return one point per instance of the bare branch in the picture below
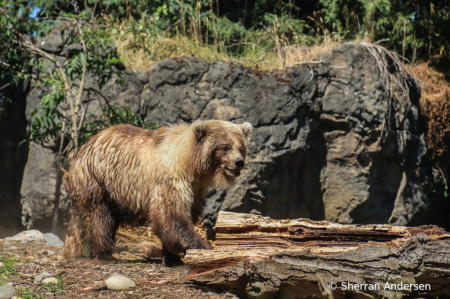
(4, 86)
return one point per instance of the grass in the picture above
(28, 294)
(56, 289)
(141, 45)
(8, 270)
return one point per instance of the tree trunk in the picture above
(257, 257)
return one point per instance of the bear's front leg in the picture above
(177, 234)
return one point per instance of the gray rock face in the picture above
(327, 142)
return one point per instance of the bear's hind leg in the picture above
(102, 227)
(73, 246)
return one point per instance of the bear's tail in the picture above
(66, 175)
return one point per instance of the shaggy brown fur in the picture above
(130, 175)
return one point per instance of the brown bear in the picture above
(127, 175)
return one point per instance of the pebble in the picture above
(50, 252)
(13, 247)
(43, 252)
(119, 282)
(53, 280)
(60, 258)
(24, 242)
(2, 264)
(7, 291)
(53, 240)
(45, 260)
(39, 278)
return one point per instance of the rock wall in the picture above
(327, 144)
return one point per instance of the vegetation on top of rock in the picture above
(257, 33)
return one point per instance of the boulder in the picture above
(329, 142)
(35, 235)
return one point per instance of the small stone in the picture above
(45, 260)
(119, 282)
(106, 272)
(39, 278)
(7, 291)
(24, 241)
(43, 252)
(53, 240)
(60, 258)
(2, 264)
(46, 273)
(53, 280)
(13, 247)
(50, 252)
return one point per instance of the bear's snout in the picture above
(239, 162)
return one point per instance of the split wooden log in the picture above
(258, 257)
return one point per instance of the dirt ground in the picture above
(86, 278)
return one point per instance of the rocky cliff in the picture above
(328, 141)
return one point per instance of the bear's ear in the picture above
(246, 129)
(199, 129)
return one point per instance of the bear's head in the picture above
(224, 148)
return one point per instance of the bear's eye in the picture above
(225, 148)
